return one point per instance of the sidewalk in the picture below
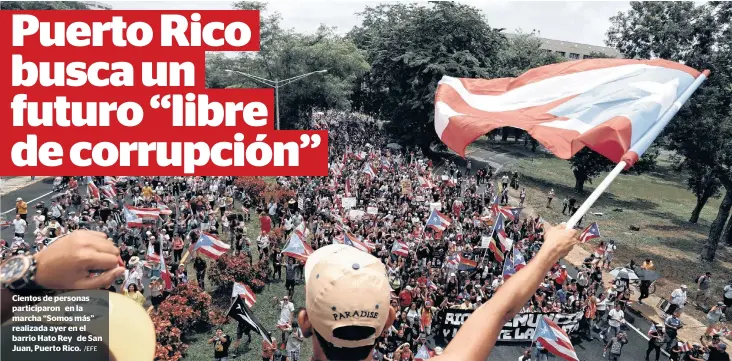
(10, 184)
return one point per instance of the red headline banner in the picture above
(123, 92)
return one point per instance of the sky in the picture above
(576, 21)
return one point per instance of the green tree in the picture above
(588, 164)
(702, 181)
(701, 37)
(286, 53)
(410, 47)
(42, 5)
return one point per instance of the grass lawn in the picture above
(265, 310)
(657, 202)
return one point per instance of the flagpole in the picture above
(647, 138)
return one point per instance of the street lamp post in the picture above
(276, 84)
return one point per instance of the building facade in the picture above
(96, 5)
(573, 51)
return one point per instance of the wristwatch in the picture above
(18, 274)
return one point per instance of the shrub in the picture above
(257, 285)
(168, 346)
(252, 186)
(218, 318)
(278, 193)
(277, 234)
(175, 308)
(228, 269)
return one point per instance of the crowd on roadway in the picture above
(378, 197)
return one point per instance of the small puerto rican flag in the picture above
(91, 188)
(351, 240)
(519, 261)
(297, 248)
(245, 293)
(400, 249)
(438, 221)
(591, 232)
(210, 246)
(369, 170)
(684, 347)
(554, 339)
(508, 268)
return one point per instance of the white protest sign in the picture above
(356, 214)
(349, 202)
(436, 205)
(485, 241)
(372, 210)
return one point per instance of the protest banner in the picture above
(436, 205)
(520, 328)
(372, 210)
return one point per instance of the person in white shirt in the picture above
(497, 282)
(39, 219)
(288, 223)
(615, 318)
(728, 295)
(20, 226)
(287, 314)
(678, 299)
(294, 342)
(609, 253)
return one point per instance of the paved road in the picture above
(586, 350)
(32, 194)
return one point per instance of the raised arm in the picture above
(479, 333)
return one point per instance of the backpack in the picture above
(616, 347)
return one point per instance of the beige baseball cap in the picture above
(346, 287)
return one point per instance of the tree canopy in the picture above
(42, 5)
(701, 37)
(286, 53)
(410, 47)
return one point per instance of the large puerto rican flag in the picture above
(607, 105)
(210, 246)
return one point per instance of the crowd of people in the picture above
(396, 191)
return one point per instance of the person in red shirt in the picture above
(561, 278)
(265, 222)
(405, 297)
